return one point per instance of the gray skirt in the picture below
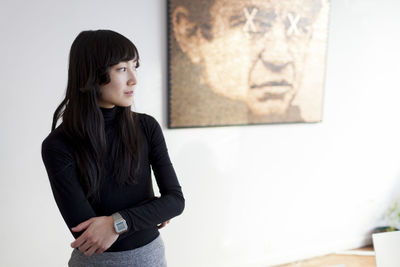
(150, 255)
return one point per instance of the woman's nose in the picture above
(132, 78)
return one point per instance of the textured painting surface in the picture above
(235, 62)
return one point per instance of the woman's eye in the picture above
(123, 69)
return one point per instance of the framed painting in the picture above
(240, 62)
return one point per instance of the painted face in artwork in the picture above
(255, 51)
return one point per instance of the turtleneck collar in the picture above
(109, 114)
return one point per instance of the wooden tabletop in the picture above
(338, 260)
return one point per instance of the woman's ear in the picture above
(187, 34)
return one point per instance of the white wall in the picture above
(255, 195)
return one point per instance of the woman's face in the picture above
(119, 91)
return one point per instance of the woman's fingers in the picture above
(91, 251)
(98, 236)
(85, 246)
(99, 250)
(163, 224)
(82, 225)
(79, 241)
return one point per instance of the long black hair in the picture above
(91, 56)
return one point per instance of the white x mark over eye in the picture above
(249, 25)
(293, 24)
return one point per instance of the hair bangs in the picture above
(111, 48)
(119, 49)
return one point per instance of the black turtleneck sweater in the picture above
(136, 203)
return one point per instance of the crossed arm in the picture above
(97, 232)
(98, 236)
(93, 233)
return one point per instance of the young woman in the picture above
(98, 159)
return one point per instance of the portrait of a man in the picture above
(237, 62)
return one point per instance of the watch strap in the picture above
(117, 216)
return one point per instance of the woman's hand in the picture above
(98, 236)
(163, 224)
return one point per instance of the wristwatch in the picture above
(120, 225)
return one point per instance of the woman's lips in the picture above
(129, 93)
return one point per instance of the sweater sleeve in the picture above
(67, 190)
(171, 203)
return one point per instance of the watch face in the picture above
(120, 226)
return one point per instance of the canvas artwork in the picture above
(240, 62)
